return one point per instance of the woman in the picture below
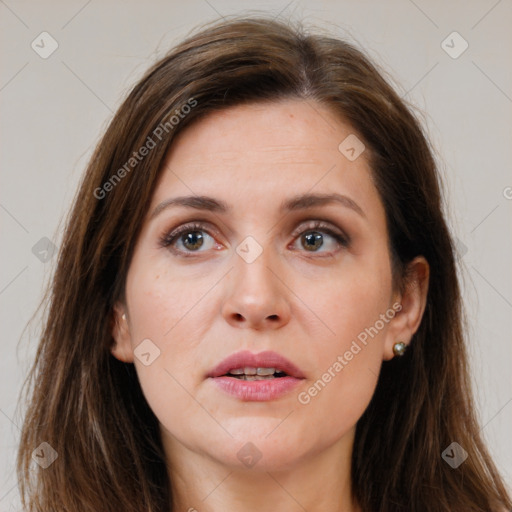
(256, 303)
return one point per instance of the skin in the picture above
(308, 305)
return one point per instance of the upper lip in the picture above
(246, 359)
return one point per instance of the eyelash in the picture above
(317, 225)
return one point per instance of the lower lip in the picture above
(256, 390)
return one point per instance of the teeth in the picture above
(256, 377)
(253, 371)
(265, 371)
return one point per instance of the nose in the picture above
(256, 297)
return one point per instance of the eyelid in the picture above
(195, 225)
(169, 238)
(320, 225)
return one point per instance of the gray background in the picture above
(55, 109)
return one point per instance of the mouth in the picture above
(266, 365)
(256, 377)
(249, 373)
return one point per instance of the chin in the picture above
(260, 449)
(259, 459)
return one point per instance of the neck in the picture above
(317, 482)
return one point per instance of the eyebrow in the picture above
(299, 202)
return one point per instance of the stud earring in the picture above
(123, 316)
(399, 348)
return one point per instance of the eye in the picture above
(190, 238)
(313, 238)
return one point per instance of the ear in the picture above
(122, 348)
(413, 301)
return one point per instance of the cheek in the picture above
(348, 358)
(354, 299)
(348, 369)
(166, 309)
(160, 300)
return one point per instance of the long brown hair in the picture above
(89, 407)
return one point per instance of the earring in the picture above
(399, 348)
(123, 316)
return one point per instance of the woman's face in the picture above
(256, 274)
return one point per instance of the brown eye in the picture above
(192, 240)
(188, 239)
(312, 241)
(320, 235)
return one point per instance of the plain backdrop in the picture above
(54, 110)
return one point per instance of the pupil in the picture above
(313, 240)
(194, 238)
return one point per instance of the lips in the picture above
(262, 377)
(246, 359)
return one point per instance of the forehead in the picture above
(284, 130)
(265, 151)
